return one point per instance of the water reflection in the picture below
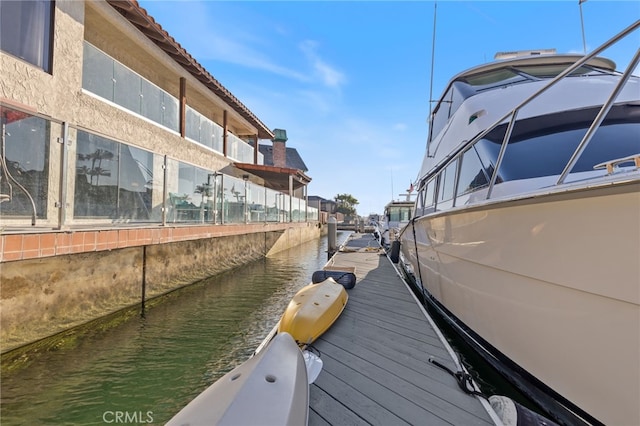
(148, 368)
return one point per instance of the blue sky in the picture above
(350, 80)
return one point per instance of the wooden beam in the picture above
(224, 132)
(255, 149)
(183, 106)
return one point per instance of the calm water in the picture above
(145, 370)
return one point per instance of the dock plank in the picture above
(339, 396)
(376, 355)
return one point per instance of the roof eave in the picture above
(138, 17)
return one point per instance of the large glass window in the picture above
(96, 187)
(135, 184)
(24, 164)
(191, 193)
(113, 181)
(26, 30)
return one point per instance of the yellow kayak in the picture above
(312, 311)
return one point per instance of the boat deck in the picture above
(376, 355)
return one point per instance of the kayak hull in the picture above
(313, 309)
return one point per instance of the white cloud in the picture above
(330, 76)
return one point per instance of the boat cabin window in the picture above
(447, 186)
(399, 213)
(472, 173)
(542, 146)
(425, 201)
(447, 106)
(429, 195)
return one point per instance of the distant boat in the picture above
(526, 233)
(312, 310)
(397, 213)
(270, 388)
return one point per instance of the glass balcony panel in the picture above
(217, 138)
(206, 132)
(170, 108)
(257, 204)
(193, 124)
(97, 72)
(271, 202)
(234, 200)
(127, 89)
(151, 102)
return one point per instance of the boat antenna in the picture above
(433, 49)
(584, 42)
(392, 183)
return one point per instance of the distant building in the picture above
(279, 155)
(327, 208)
(282, 168)
(325, 205)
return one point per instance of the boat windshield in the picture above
(511, 75)
(542, 146)
(552, 70)
(469, 85)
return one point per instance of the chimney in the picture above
(280, 148)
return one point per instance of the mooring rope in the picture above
(464, 379)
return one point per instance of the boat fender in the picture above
(513, 414)
(313, 363)
(394, 255)
(347, 279)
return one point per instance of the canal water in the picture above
(144, 370)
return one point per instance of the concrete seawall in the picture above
(45, 296)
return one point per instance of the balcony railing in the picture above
(115, 183)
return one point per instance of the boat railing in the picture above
(512, 115)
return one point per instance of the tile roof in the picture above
(294, 161)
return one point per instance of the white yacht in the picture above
(526, 232)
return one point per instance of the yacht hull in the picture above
(549, 284)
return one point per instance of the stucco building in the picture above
(118, 150)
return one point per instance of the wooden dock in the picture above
(376, 355)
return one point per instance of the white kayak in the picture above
(270, 388)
